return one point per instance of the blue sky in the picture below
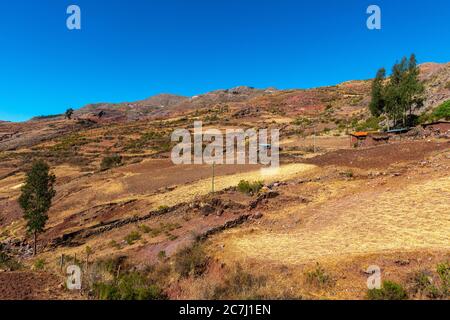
(130, 50)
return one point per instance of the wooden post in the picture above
(213, 176)
(314, 139)
(35, 243)
(62, 262)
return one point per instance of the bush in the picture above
(110, 162)
(144, 228)
(448, 85)
(249, 187)
(301, 121)
(442, 112)
(8, 263)
(132, 237)
(319, 277)
(70, 142)
(111, 265)
(443, 271)
(39, 264)
(239, 285)
(162, 255)
(389, 291)
(191, 261)
(131, 286)
(372, 123)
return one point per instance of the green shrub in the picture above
(111, 265)
(70, 142)
(389, 291)
(425, 118)
(319, 277)
(7, 262)
(442, 112)
(163, 208)
(162, 254)
(132, 237)
(39, 264)
(301, 121)
(443, 270)
(249, 187)
(144, 228)
(109, 162)
(370, 124)
(131, 286)
(191, 261)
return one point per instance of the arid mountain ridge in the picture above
(327, 106)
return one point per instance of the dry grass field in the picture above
(414, 217)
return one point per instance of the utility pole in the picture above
(314, 139)
(213, 176)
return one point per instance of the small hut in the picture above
(367, 139)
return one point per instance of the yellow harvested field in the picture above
(413, 218)
(187, 193)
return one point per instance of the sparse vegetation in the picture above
(443, 270)
(389, 291)
(7, 262)
(144, 228)
(161, 255)
(440, 113)
(114, 244)
(240, 284)
(132, 237)
(191, 261)
(110, 162)
(319, 277)
(247, 187)
(302, 121)
(163, 228)
(130, 286)
(447, 86)
(39, 264)
(69, 143)
(371, 124)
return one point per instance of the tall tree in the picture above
(377, 103)
(404, 91)
(69, 113)
(414, 88)
(36, 198)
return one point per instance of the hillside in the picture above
(310, 232)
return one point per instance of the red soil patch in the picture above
(380, 156)
(29, 286)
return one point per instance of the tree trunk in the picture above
(35, 243)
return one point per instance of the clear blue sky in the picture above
(129, 50)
